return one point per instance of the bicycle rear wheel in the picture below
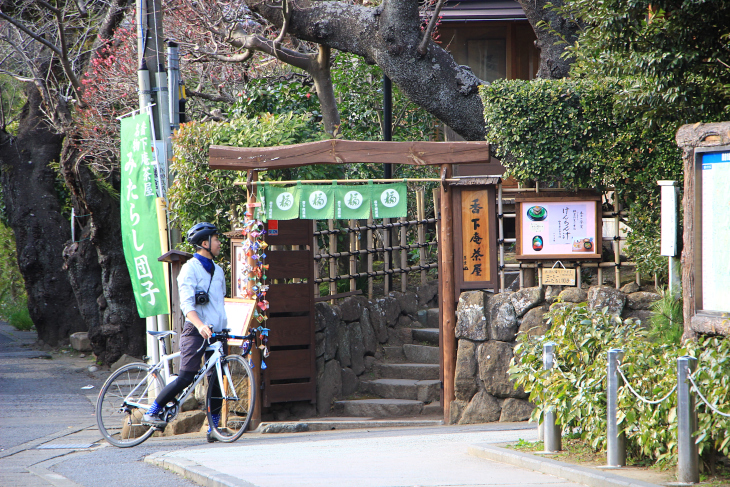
(123, 400)
(238, 395)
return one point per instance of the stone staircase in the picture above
(405, 380)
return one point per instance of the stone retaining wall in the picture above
(486, 329)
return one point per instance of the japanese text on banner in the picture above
(140, 233)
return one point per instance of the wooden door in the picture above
(291, 372)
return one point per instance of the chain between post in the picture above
(704, 399)
(638, 396)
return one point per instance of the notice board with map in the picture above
(712, 231)
(567, 228)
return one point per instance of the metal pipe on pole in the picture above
(551, 430)
(616, 454)
(688, 471)
(388, 168)
(173, 84)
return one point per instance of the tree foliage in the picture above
(673, 55)
(204, 194)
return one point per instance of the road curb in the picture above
(194, 471)
(573, 473)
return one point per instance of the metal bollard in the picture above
(551, 431)
(688, 461)
(616, 455)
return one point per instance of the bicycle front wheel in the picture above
(234, 400)
(123, 400)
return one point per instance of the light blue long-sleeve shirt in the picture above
(193, 278)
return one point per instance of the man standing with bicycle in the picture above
(202, 289)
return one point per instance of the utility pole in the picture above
(153, 90)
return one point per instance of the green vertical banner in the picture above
(282, 203)
(352, 202)
(317, 202)
(389, 200)
(140, 232)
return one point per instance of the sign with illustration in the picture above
(558, 228)
(138, 201)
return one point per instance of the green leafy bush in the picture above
(577, 388)
(573, 132)
(203, 194)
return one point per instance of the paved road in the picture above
(435, 456)
(48, 432)
(48, 437)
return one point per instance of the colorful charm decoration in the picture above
(254, 270)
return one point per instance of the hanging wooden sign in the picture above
(558, 277)
(475, 245)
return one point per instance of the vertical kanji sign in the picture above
(140, 234)
(475, 235)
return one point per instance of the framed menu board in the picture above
(565, 228)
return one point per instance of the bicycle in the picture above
(128, 393)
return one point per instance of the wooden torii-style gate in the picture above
(337, 151)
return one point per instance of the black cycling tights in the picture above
(184, 379)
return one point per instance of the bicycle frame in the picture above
(164, 366)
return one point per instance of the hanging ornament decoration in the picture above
(254, 270)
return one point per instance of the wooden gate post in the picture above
(448, 306)
(255, 353)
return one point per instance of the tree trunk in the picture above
(320, 72)
(551, 41)
(389, 36)
(99, 274)
(34, 213)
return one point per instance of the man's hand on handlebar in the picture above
(206, 331)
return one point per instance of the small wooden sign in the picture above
(558, 277)
(475, 238)
(475, 235)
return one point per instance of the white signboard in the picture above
(669, 246)
(564, 228)
(715, 175)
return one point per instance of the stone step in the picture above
(393, 354)
(421, 354)
(433, 409)
(427, 335)
(379, 408)
(432, 318)
(328, 424)
(418, 390)
(408, 371)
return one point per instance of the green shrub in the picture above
(667, 318)
(577, 389)
(19, 317)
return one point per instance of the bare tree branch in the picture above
(32, 34)
(223, 97)
(285, 25)
(423, 47)
(63, 54)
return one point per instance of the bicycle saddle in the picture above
(161, 334)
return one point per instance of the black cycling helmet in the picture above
(200, 232)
